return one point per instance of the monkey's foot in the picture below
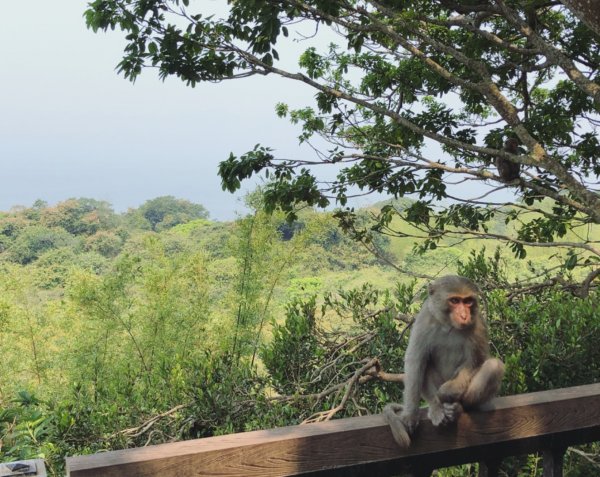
(437, 415)
(451, 411)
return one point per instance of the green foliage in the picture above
(327, 244)
(106, 243)
(215, 396)
(191, 227)
(549, 339)
(546, 337)
(27, 430)
(126, 336)
(33, 241)
(166, 212)
(255, 246)
(148, 315)
(264, 260)
(488, 272)
(53, 268)
(291, 353)
(315, 351)
(302, 288)
(78, 216)
(10, 227)
(420, 96)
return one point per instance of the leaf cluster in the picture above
(416, 102)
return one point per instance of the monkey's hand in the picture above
(442, 414)
(451, 411)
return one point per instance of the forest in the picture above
(158, 324)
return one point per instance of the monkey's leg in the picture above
(450, 394)
(485, 383)
(453, 389)
(436, 413)
(415, 371)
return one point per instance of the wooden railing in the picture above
(546, 422)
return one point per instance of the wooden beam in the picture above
(363, 446)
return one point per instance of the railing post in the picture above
(553, 462)
(489, 468)
(421, 472)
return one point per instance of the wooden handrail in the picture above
(547, 421)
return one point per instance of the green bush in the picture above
(35, 240)
(293, 350)
(108, 244)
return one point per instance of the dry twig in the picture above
(141, 429)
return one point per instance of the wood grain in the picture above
(364, 446)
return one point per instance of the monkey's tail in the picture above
(390, 412)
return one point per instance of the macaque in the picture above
(507, 170)
(447, 361)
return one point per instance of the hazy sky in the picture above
(70, 126)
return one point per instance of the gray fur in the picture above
(447, 365)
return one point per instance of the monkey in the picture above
(447, 360)
(508, 170)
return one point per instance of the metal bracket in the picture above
(23, 468)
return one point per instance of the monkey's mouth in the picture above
(463, 324)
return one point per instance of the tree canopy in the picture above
(416, 100)
(167, 211)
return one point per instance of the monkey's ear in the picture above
(431, 288)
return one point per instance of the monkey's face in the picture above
(461, 309)
(453, 300)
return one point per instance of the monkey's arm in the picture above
(414, 371)
(415, 367)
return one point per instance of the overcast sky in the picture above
(70, 126)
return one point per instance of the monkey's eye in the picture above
(469, 300)
(454, 300)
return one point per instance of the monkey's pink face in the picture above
(461, 310)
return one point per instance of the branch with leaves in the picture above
(412, 100)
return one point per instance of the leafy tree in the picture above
(10, 227)
(263, 259)
(419, 95)
(167, 211)
(34, 212)
(106, 243)
(33, 241)
(78, 216)
(53, 268)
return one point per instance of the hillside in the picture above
(108, 320)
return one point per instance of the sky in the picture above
(70, 126)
